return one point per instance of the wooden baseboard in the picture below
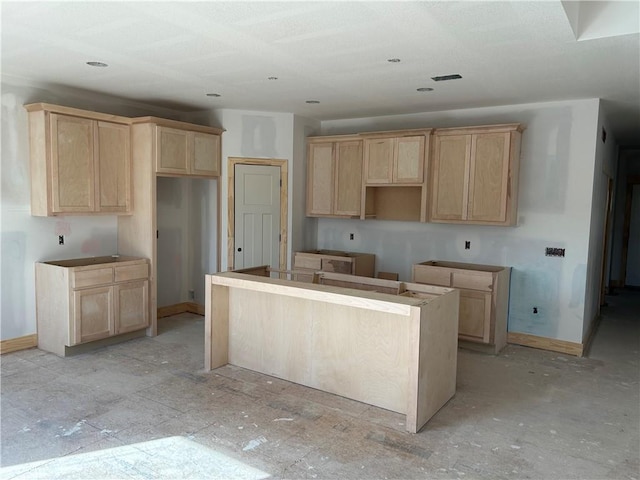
(184, 307)
(20, 343)
(544, 343)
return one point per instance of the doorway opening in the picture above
(254, 187)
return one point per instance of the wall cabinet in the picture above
(83, 300)
(475, 175)
(187, 152)
(352, 263)
(394, 160)
(334, 176)
(80, 161)
(484, 299)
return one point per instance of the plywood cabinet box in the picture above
(474, 175)
(484, 299)
(334, 176)
(352, 263)
(184, 148)
(87, 299)
(80, 161)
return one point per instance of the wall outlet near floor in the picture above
(467, 244)
(60, 239)
(535, 310)
(351, 236)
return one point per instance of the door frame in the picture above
(231, 205)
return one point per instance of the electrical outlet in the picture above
(535, 310)
(351, 236)
(60, 239)
(554, 252)
(467, 245)
(192, 295)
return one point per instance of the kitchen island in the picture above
(397, 352)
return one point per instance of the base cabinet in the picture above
(351, 263)
(484, 299)
(83, 300)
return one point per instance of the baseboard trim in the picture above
(20, 343)
(184, 307)
(544, 343)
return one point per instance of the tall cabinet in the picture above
(163, 147)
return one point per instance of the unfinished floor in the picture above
(525, 413)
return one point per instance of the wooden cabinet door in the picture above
(320, 175)
(205, 154)
(72, 164)
(408, 164)
(172, 151)
(113, 147)
(348, 178)
(131, 306)
(489, 177)
(378, 155)
(474, 322)
(93, 314)
(450, 177)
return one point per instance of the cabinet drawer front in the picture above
(132, 272)
(88, 278)
(472, 280)
(432, 275)
(304, 261)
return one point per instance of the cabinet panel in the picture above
(131, 306)
(337, 265)
(379, 160)
(475, 316)
(205, 154)
(348, 178)
(114, 167)
(320, 179)
(93, 314)
(432, 275)
(450, 177)
(409, 161)
(489, 176)
(313, 262)
(131, 272)
(72, 164)
(172, 151)
(472, 280)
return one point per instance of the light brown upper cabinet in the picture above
(80, 161)
(334, 176)
(185, 151)
(474, 176)
(394, 160)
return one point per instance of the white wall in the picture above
(26, 239)
(604, 169)
(556, 183)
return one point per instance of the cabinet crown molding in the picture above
(501, 128)
(76, 112)
(165, 122)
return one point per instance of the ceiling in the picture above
(171, 54)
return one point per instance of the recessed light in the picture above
(394, 60)
(424, 89)
(212, 94)
(442, 78)
(97, 64)
(272, 78)
(313, 101)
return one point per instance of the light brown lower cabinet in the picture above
(83, 300)
(307, 262)
(484, 300)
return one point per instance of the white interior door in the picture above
(257, 216)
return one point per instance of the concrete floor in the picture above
(525, 413)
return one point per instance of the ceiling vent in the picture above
(442, 78)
